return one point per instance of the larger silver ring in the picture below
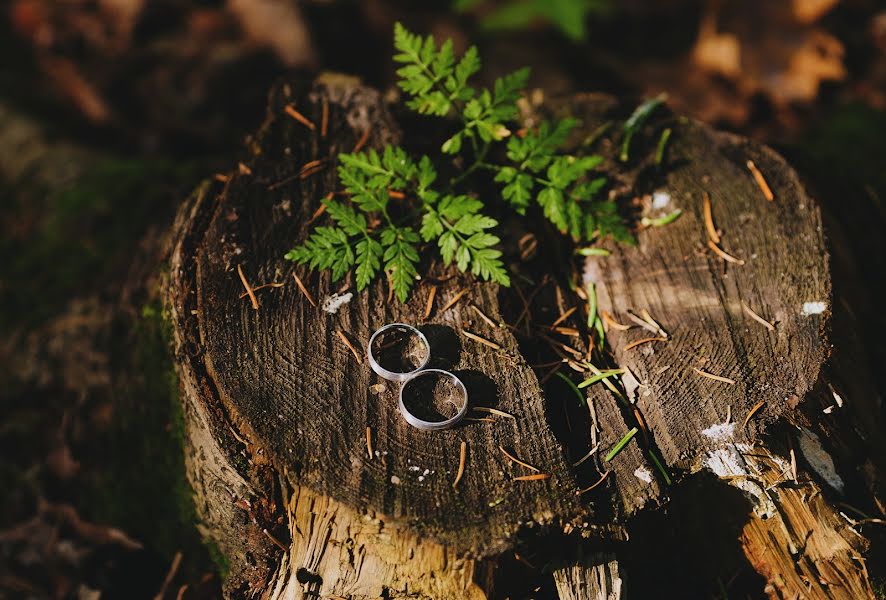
(434, 425)
(397, 375)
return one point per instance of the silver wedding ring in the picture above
(432, 393)
(397, 351)
(430, 399)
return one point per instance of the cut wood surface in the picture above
(315, 484)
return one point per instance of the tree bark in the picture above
(311, 483)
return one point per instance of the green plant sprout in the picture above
(370, 233)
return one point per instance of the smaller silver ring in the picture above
(395, 375)
(434, 425)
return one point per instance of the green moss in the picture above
(144, 489)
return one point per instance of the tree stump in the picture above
(312, 485)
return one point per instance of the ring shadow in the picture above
(445, 346)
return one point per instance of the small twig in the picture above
(324, 117)
(752, 412)
(494, 411)
(757, 317)
(564, 316)
(303, 289)
(430, 304)
(644, 341)
(714, 377)
(364, 137)
(453, 301)
(709, 220)
(347, 342)
(462, 456)
(761, 181)
(246, 285)
(517, 460)
(484, 341)
(535, 477)
(722, 254)
(290, 110)
(599, 481)
(369, 442)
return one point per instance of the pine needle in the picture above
(621, 444)
(303, 289)
(430, 304)
(752, 412)
(494, 411)
(761, 181)
(757, 317)
(599, 481)
(535, 477)
(248, 287)
(714, 377)
(590, 453)
(481, 340)
(644, 341)
(290, 110)
(517, 460)
(564, 316)
(369, 442)
(660, 467)
(722, 254)
(324, 118)
(347, 342)
(483, 316)
(462, 456)
(453, 301)
(611, 322)
(363, 139)
(709, 220)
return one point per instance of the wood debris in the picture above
(290, 110)
(761, 181)
(513, 458)
(273, 284)
(246, 285)
(347, 342)
(369, 442)
(714, 377)
(481, 340)
(462, 456)
(303, 289)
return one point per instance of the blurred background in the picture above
(111, 111)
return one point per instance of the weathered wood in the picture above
(279, 407)
(595, 577)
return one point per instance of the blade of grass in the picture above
(592, 304)
(636, 121)
(661, 221)
(660, 467)
(581, 397)
(662, 143)
(599, 377)
(621, 444)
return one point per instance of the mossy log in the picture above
(312, 485)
